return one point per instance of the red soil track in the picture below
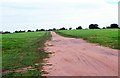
(76, 57)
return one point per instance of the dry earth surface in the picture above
(76, 57)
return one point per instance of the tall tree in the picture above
(93, 26)
(79, 27)
(70, 28)
(63, 28)
(114, 26)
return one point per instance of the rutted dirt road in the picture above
(76, 57)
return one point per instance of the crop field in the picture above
(21, 50)
(104, 37)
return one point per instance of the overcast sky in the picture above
(37, 14)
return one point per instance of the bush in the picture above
(6, 32)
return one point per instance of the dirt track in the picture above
(76, 57)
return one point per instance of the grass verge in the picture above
(104, 37)
(21, 50)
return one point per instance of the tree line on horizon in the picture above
(91, 26)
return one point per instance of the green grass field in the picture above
(104, 37)
(22, 50)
